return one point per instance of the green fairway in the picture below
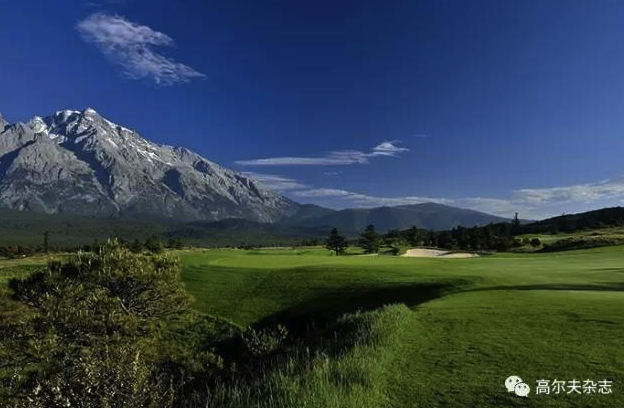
(473, 322)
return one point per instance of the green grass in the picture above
(329, 376)
(472, 322)
(10, 310)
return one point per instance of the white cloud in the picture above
(497, 206)
(582, 192)
(274, 181)
(388, 148)
(353, 199)
(130, 46)
(333, 158)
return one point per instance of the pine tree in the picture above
(154, 244)
(370, 240)
(516, 228)
(136, 246)
(336, 242)
(46, 242)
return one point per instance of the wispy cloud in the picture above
(333, 158)
(130, 46)
(607, 189)
(353, 199)
(275, 182)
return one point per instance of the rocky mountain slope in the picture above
(78, 162)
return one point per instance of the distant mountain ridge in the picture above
(430, 216)
(595, 219)
(78, 162)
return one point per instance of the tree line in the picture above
(152, 244)
(492, 237)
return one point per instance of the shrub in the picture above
(399, 248)
(98, 334)
(263, 342)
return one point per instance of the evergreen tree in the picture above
(154, 244)
(516, 228)
(336, 242)
(446, 240)
(46, 242)
(413, 236)
(370, 240)
(175, 243)
(136, 246)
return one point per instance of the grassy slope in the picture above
(473, 321)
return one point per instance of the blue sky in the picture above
(499, 105)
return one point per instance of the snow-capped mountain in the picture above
(78, 162)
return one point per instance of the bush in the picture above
(399, 248)
(99, 334)
(535, 243)
(263, 342)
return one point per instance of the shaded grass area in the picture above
(348, 370)
(10, 310)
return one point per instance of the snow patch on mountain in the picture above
(80, 162)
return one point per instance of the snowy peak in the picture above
(38, 125)
(80, 162)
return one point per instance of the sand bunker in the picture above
(436, 253)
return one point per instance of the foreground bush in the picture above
(104, 331)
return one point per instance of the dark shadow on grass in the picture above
(605, 287)
(319, 312)
(617, 270)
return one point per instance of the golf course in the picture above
(441, 332)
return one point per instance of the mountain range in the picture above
(80, 163)
(77, 162)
